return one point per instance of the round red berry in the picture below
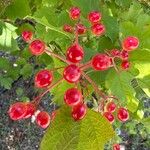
(130, 43)
(116, 147)
(72, 97)
(98, 29)
(75, 53)
(79, 111)
(124, 55)
(101, 62)
(115, 53)
(37, 47)
(68, 28)
(81, 29)
(17, 111)
(123, 114)
(43, 119)
(27, 35)
(125, 65)
(94, 17)
(111, 106)
(109, 116)
(74, 13)
(43, 78)
(72, 73)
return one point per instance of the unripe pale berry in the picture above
(130, 43)
(79, 111)
(94, 17)
(124, 55)
(72, 97)
(109, 116)
(116, 147)
(27, 35)
(125, 65)
(43, 78)
(72, 73)
(101, 62)
(43, 119)
(37, 47)
(68, 28)
(111, 106)
(123, 114)
(98, 29)
(74, 13)
(75, 53)
(81, 29)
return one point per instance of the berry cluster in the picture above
(73, 71)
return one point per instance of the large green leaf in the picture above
(65, 134)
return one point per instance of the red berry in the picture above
(81, 29)
(30, 110)
(94, 17)
(124, 55)
(109, 116)
(125, 65)
(74, 13)
(130, 43)
(43, 119)
(79, 111)
(101, 62)
(72, 73)
(37, 47)
(98, 29)
(123, 114)
(43, 78)
(72, 97)
(115, 53)
(17, 111)
(67, 28)
(111, 107)
(27, 35)
(75, 53)
(116, 147)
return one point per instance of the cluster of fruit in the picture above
(73, 71)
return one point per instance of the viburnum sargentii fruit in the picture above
(75, 72)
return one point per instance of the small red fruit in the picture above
(130, 43)
(72, 73)
(74, 13)
(72, 97)
(124, 55)
(75, 53)
(37, 47)
(115, 53)
(43, 119)
(81, 29)
(43, 78)
(111, 106)
(17, 111)
(68, 28)
(27, 35)
(101, 62)
(123, 114)
(94, 17)
(116, 147)
(109, 116)
(79, 111)
(98, 29)
(125, 65)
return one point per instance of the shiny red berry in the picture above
(72, 73)
(43, 78)
(43, 119)
(98, 29)
(101, 62)
(68, 28)
(81, 29)
(79, 111)
(17, 111)
(115, 53)
(94, 17)
(109, 116)
(130, 43)
(125, 65)
(72, 97)
(116, 147)
(27, 35)
(74, 13)
(123, 114)
(75, 53)
(37, 47)
(111, 106)
(124, 55)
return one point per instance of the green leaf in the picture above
(66, 134)
(123, 3)
(26, 71)
(6, 82)
(132, 104)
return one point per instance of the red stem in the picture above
(85, 66)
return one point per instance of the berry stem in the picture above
(114, 65)
(85, 66)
